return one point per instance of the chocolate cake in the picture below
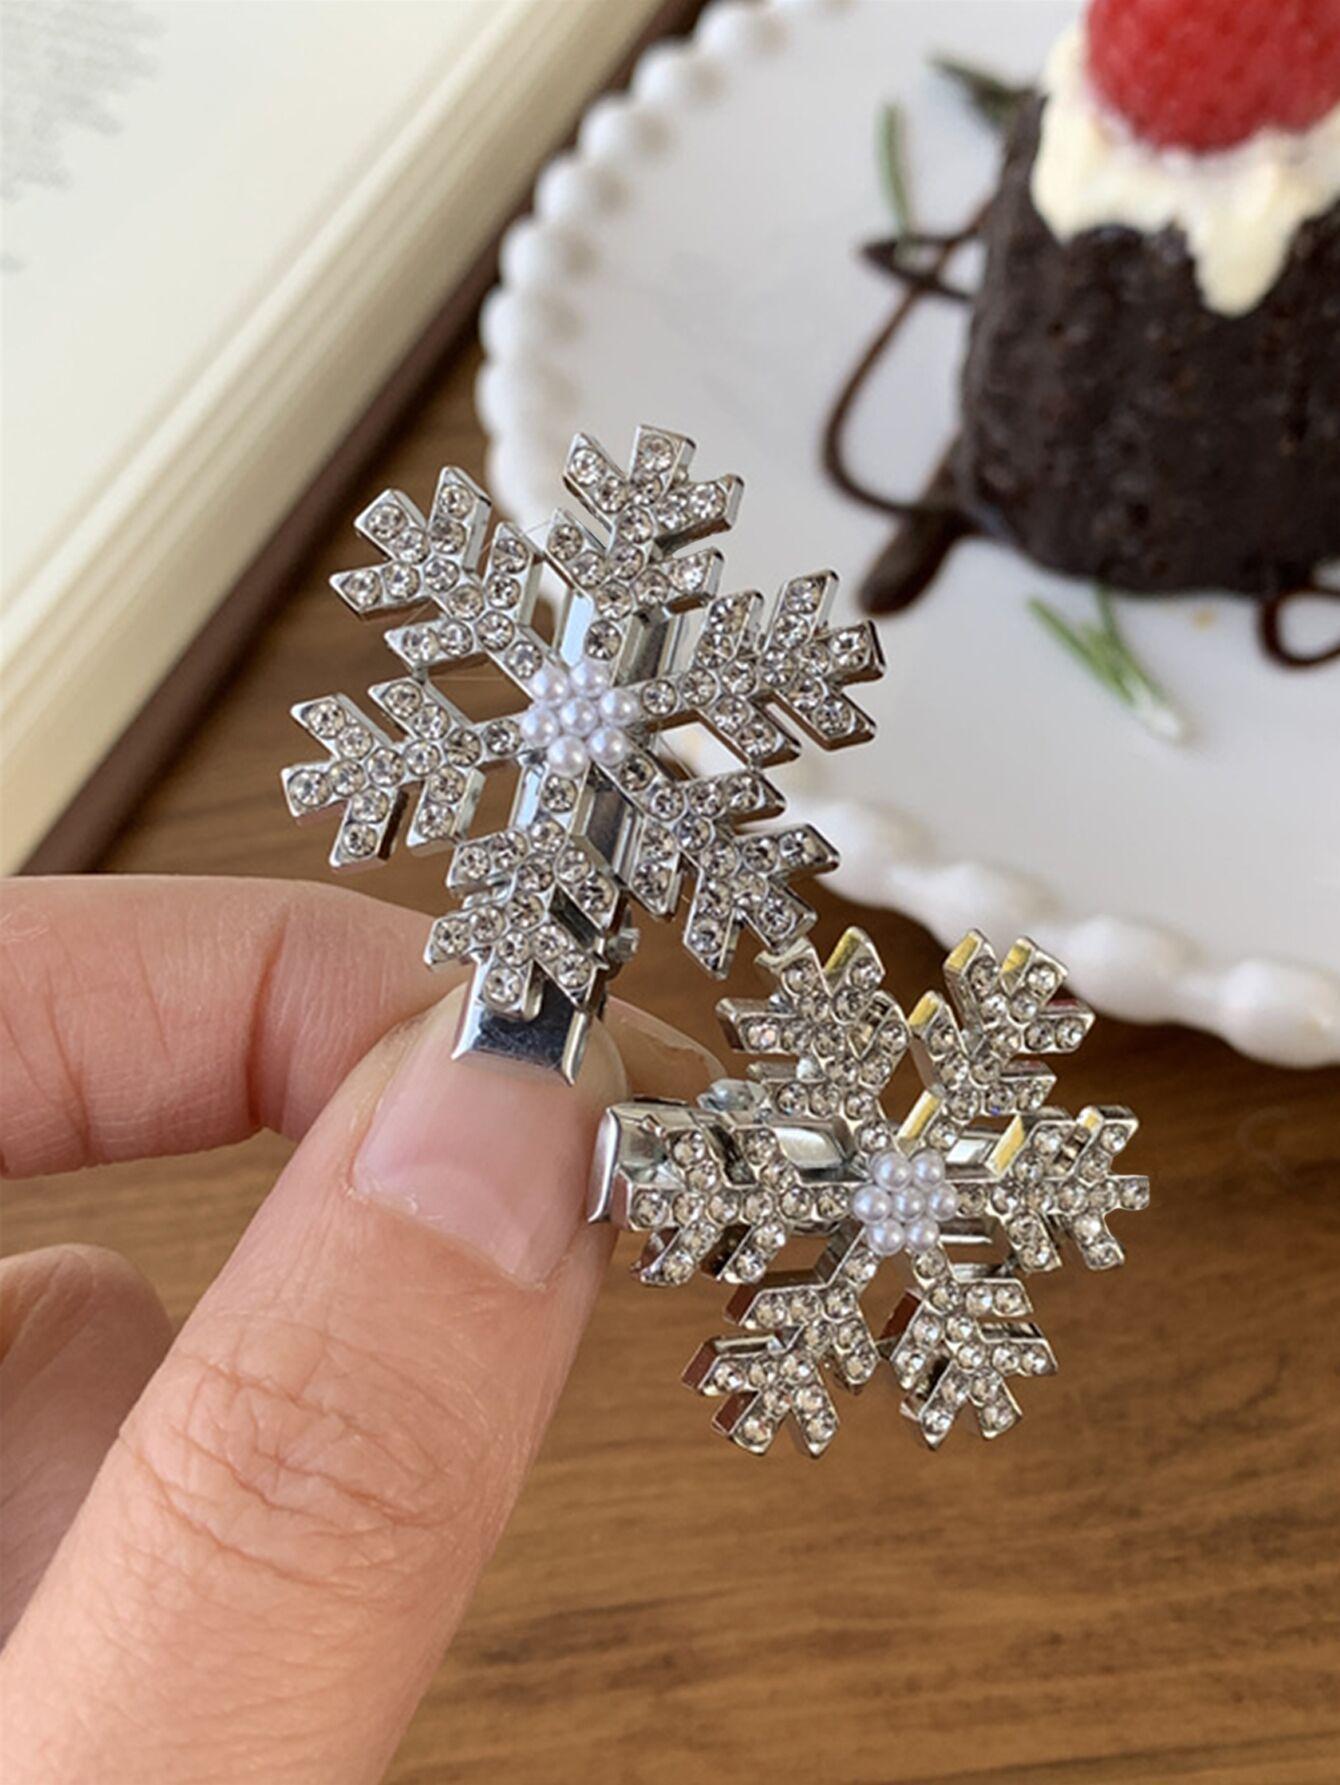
(1150, 397)
(1117, 426)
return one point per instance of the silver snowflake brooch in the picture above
(603, 813)
(980, 1184)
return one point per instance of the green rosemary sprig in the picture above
(993, 99)
(1108, 658)
(891, 143)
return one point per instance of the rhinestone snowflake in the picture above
(979, 1185)
(603, 812)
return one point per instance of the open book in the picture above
(226, 222)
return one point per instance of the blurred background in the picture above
(246, 248)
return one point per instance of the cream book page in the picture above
(225, 221)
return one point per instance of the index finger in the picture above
(154, 1015)
(143, 1016)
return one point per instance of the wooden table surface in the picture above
(1141, 1582)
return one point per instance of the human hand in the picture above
(241, 1554)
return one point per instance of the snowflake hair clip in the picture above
(980, 1184)
(603, 815)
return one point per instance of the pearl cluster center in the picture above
(577, 717)
(905, 1202)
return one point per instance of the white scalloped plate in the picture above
(694, 264)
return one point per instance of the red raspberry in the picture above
(1205, 74)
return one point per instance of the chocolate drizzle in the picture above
(931, 527)
(932, 523)
(1270, 627)
(891, 257)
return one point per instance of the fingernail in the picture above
(659, 1059)
(492, 1157)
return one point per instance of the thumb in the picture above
(280, 1544)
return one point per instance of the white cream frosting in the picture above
(1238, 208)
